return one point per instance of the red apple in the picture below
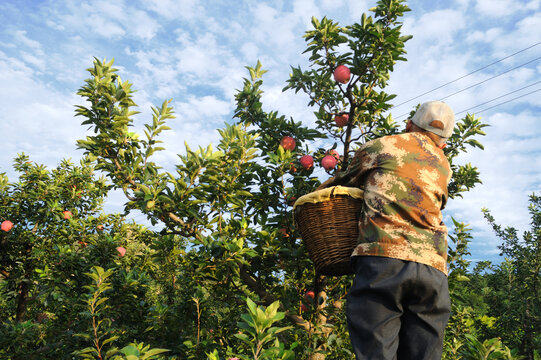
(342, 74)
(328, 162)
(307, 162)
(292, 200)
(334, 153)
(304, 308)
(121, 251)
(310, 294)
(6, 225)
(341, 120)
(67, 214)
(288, 143)
(99, 227)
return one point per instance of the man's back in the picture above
(405, 180)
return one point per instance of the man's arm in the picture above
(350, 177)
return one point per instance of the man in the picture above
(398, 305)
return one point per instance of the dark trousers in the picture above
(397, 309)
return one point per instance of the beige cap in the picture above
(436, 117)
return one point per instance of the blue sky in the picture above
(195, 53)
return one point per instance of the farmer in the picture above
(398, 305)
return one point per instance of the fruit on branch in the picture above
(329, 162)
(292, 168)
(67, 214)
(307, 162)
(341, 120)
(334, 153)
(6, 225)
(288, 143)
(342, 74)
(121, 251)
(310, 294)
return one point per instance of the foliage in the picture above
(228, 237)
(518, 300)
(101, 325)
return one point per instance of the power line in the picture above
(499, 97)
(471, 73)
(505, 102)
(481, 82)
(490, 78)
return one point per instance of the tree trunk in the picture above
(22, 299)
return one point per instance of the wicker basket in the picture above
(328, 223)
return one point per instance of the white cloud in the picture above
(207, 110)
(21, 38)
(332, 4)
(171, 9)
(100, 25)
(356, 8)
(487, 36)
(506, 170)
(36, 117)
(36, 61)
(54, 25)
(495, 8)
(141, 25)
(533, 5)
(275, 29)
(437, 27)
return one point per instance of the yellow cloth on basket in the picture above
(325, 194)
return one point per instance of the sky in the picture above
(483, 56)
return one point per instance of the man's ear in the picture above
(408, 125)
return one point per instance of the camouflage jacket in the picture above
(404, 178)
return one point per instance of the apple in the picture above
(121, 251)
(6, 225)
(304, 308)
(288, 143)
(67, 214)
(328, 162)
(342, 74)
(292, 200)
(310, 294)
(292, 168)
(99, 227)
(307, 162)
(334, 153)
(341, 120)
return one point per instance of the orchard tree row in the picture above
(228, 275)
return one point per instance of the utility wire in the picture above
(499, 97)
(490, 78)
(481, 82)
(471, 73)
(505, 102)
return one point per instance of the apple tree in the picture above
(226, 211)
(57, 233)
